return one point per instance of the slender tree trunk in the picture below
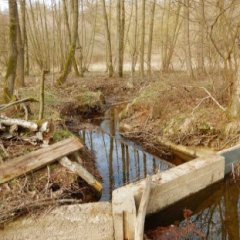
(149, 56)
(69, 35)
(142, 48)
(200, 47)
(188, 56)
(108, 40)
(9, 80)
(20, 46)
(134, 54)
(72, 49)
(120, 36)
(122, 33)
(24, 36)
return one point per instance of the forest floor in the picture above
(172, 106)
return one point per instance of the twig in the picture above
(198, 105)
(217, 103)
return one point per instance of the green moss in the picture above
(61, 134)
(89, 98)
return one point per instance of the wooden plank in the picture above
(82, 172)
(38, 159)
(139, 227)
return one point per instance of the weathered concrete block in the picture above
(170, 186)
(74, 222)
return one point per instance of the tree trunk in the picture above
(120, 35)
(108, 40)
(188, 57)
(69, 35)
(9, 80)
(20, 46)
(134, 53)
(234, 107)
(149, 57)
(200, 45)
(142, 49)
(72, 49)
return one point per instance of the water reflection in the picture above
(119, 161)
(216, 212)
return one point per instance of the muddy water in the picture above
(118, 160)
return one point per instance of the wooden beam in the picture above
(82, 172)
(37, 159)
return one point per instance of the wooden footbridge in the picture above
(124, 217)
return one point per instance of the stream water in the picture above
(215, 213)
(118, 160)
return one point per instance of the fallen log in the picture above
(139, 227)
(37, 159)
(82, 172)
(5, 106)
(19, 122)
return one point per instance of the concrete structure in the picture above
(105, 221)
(70, 222)
(167, 188)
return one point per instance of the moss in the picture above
(61, 134)
(90, 98)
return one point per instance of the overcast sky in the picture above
(4, 3)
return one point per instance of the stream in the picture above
(215, 210)
(119, 161)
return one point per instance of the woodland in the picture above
(168, 71)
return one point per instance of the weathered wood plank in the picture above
(139, 227)
(82, 172)
(38, 159)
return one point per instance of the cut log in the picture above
(139, 227)
(82, 172)
(19, 122)
(37, 159)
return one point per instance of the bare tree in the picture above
(9, 80)
(108, 40)
(72, 49)
(150, 41)
(20, 46)
(142, 48)
(120, 35)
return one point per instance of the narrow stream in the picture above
(118, 160)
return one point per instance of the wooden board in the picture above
(37, 159)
